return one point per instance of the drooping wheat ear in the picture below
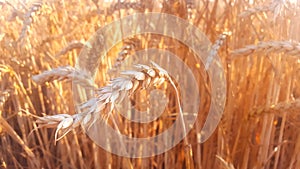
(72, 45)
(290, 48)
(65, 73)
(214, 49)
(128, 49)
(28, 18)
(291, 107)
(254, 10)
(275, 7)
(138, 6)
(106, 97)
(126, 5)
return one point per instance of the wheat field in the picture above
(258, 43)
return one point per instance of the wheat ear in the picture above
(28, 18)
(126, 5)
(278, 109)
(107, 96)
(291, 48)
(65, 73)
(72, 45)
(127, 50)
(275, 7)
(214, 49)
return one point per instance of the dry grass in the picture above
(260, 124)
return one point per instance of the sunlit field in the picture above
(258, 43)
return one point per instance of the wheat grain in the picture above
(107, 96)
(287, 47)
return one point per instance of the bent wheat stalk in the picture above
(107, 96)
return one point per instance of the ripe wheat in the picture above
(63, 73)
(72, 45)
(106, 97)
(275, 7)
(291, 48)
(28, 18)
(214, 49)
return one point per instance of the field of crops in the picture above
(41, 43)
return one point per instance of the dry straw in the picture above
(225, 163)
(7, 128)
(106, 97)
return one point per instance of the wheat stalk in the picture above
(107, 96)
(225, 163)
(10, 130)
(291, 48)
(138, 6)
